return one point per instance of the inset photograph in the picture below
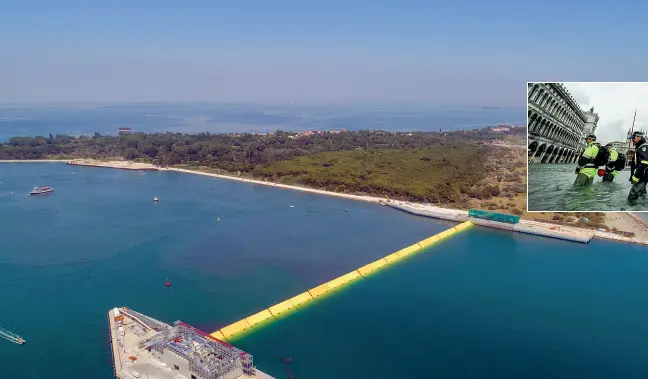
(587, 146)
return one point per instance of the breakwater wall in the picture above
(522, 227)
(294, 303)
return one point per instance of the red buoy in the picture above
(168, 283)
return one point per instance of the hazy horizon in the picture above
(228, 117)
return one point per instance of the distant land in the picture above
(484, 167)
(86, 119)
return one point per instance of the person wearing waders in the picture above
(586, 169)
(610, 167)
(639, 177)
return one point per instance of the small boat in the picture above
(155, 199)
(292, 206)
(10, 336)
(168, 283)
(41, 190)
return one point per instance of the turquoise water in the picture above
(482, 305)
(551, 188)
(488, 304)
(99, 241)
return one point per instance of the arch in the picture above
(533, 146)
(548, 153)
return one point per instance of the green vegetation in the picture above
(421, 175)
(422, 166)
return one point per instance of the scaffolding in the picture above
(206, 356)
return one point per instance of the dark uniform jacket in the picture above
(641, 162)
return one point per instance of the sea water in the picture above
(481, 304)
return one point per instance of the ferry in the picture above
(41, 190)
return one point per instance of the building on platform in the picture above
(557, 125)
(195, 354)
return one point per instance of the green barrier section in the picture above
(494, 216)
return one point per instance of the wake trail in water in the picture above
(9, 336)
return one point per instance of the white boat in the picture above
(41, 190)
(155, 199)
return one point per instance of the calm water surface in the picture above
(485, 304)
(99, 241)
(551, 188)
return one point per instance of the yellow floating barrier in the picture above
(218, 335)
(373, 266)
(319, 290)
(429, 241)
(393, 257)
(337, 282)
(408, 250)
(463, 225)
(274, 311)
(300, 299)
(259, 317)
(235, 328)
(280, 308)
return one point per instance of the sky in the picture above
(615, 104)
(315, 51)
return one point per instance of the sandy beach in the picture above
(620, 220)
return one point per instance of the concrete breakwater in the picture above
(527, 227)
(296, 302)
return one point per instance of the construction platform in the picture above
(143, 347)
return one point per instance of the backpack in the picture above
(620, 162)
(601, 157)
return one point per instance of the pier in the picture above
(523, 226)
(263, 317)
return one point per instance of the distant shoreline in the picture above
(32, 160)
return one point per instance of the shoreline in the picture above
(33, 160)
(447, 212)
(450, 213)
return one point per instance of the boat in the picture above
(155, 199)
(41, 190)
(10, 336)
(168, 283)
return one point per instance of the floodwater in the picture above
(551, 188)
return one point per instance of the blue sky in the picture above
(329, 51)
